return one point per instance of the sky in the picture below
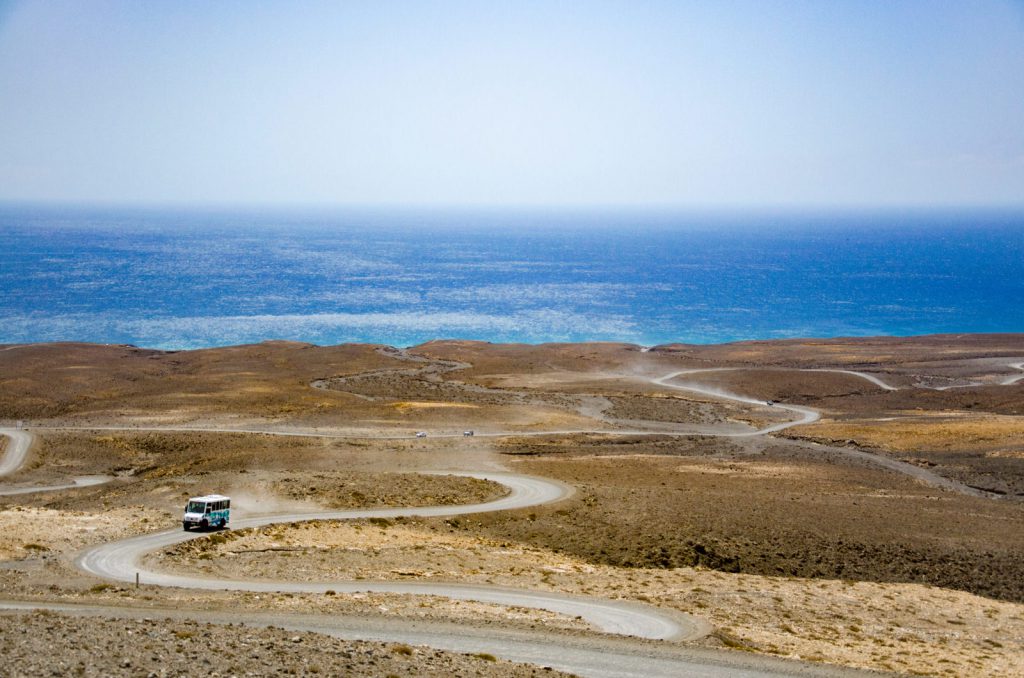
(728, 104)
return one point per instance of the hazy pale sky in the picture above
(691, 104)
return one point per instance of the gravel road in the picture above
(1010, 381)
(19, 442)
(164, 646)
(592, 657)
(17, 449)
(121, 561)
(807, 415)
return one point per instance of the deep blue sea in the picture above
(184, 279)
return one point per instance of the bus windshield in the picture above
(195, 507)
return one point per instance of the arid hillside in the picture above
(728, 482)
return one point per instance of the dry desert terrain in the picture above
(799, 507)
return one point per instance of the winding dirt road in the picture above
(807, 415)
(19, 443)
(599, 658)
(122, 561)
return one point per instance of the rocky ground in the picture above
(893, 627)
(50, 644)
(788, 548)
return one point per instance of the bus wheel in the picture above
(204, 524)
(185, 526)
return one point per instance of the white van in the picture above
(213, 510)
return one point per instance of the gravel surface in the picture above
(154, 647)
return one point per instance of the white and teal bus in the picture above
(213, 510)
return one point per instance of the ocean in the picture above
(179, 279)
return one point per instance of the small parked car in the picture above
(467, 433)
(421, 434)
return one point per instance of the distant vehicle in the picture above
(213, 510)
(421, 434)
(771, 403)
(467, 433)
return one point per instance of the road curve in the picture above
(121, 560)
(877, 381)
(807, 415)
(19, 442)
(76, 483)
(1010, 381)
(863, 375)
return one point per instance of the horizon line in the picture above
(664, 208)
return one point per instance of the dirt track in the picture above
(568, 388)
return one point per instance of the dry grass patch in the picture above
(406, 405)
(956, 432)
(980, 450)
